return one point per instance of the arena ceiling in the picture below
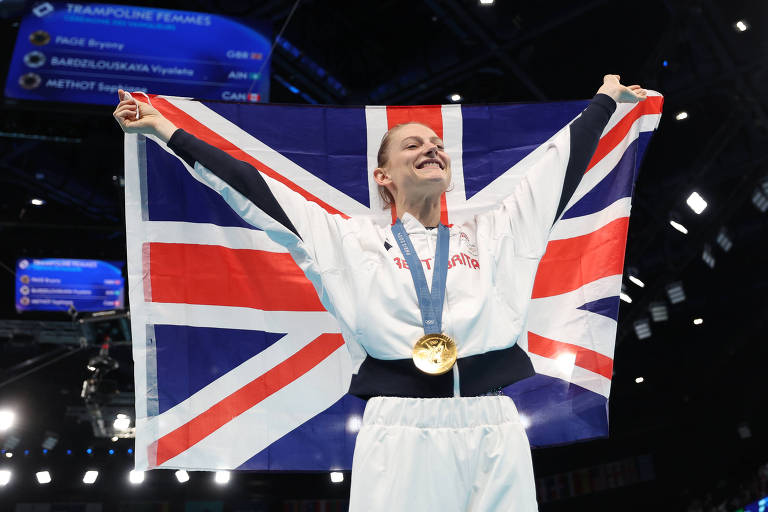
(702, 383)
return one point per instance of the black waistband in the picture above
(478, 375)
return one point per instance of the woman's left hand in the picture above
(621, 93)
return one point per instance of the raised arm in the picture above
(551, 180)
(286, 216)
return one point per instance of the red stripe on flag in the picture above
(610, 140)
(429, 115)
(573, 262)
(183, 120)
(197, 429)
(219, 276)
(585, 358)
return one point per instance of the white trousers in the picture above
(443, 455)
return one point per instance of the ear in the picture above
(381, 177)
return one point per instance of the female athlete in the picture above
(430, 313)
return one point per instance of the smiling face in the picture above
(413, 162)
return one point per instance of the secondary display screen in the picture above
(53, 284)
(84, 53)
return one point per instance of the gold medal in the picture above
(434, 354)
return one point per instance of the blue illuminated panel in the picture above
(84, 52)
(57, 284)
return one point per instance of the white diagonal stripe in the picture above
(270, 157)
(271, 419)
(586, 224)
(577, 375)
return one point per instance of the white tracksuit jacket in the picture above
(361, 277)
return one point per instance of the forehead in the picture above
(414, 130)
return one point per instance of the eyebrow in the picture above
(436, 140)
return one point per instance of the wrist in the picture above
(163, 129)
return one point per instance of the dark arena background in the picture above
(688, 422)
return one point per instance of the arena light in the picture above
(724, 240)
(43, 477)
(741, 26)
(707, 256)
(50, 441)
(182, 476)
(760, 200)
(11, 442)
(659, 312)
(36, 201)
(5, 477)
(90, 477)
(637, 281)
(455, 97)
(122, 422)
(135, 477)
(8, 455)
(221, 477)
(642, 328)
(486, 2)
(639, 380)
(626, 298)
(7, 419)
(696, 202)
(675, 292)
(678, 227)
(681, 115)
(337, 477)
(698, 321)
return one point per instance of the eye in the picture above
(411, 146)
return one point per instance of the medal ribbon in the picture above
(430, 303)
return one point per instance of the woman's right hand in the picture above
(150, 121)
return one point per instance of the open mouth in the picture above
(431, 163)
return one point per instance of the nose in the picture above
(432, 151)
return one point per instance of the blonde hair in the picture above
(382, 159)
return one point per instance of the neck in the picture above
(425, 209)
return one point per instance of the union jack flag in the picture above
(237, 364)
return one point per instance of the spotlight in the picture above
(678, 227)
(5, 477)
(337, 477)
(182, 476)
(659, 311)
(43, 477)
(637, 281)
(11, 442)
(696, 202)
(724, 240)
(760, 200)
(741, 26)
(90, 477)
(626, 298)
(122, 423)
(37, 201)
(136, 477)
(639, 380)
(7, 419)
(455, 97)
(221, 477)
(707, 256)
(675, 292)
(8, 455)
(698, 321)
(665, 63)
(681, 115)
(486, 2)
(642, 328)
(50, 441)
